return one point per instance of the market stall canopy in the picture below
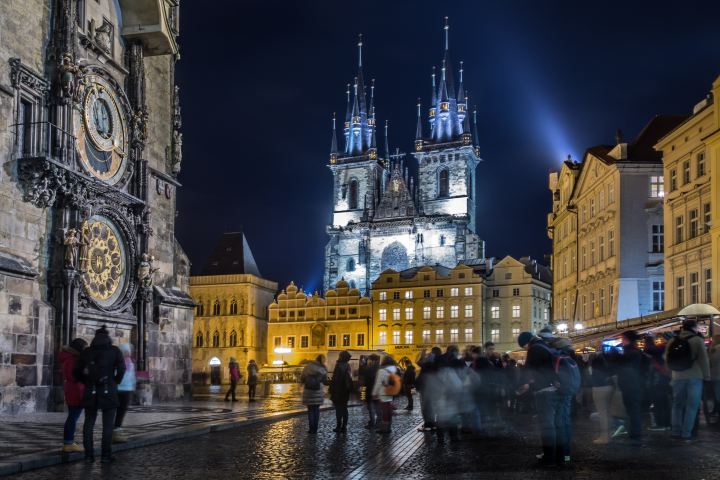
(698, 310)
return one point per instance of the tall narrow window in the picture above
(468, 311)
(611, 243)
(216, 339)
(495, 311)
(382, 338)
(601, 246)
(216, 307)
(426, 312)
(25, 127)
(658, 240)
(701, 164)
(673, 180)
(233, 338)
(408, 337)
(680, 289)
(440, 312)
(353, 195)
(444, 183)
(495, 334)
(382, 314)
(360, 339)
(350, 265)
(199, 340)
(439, 335)
(686, 172)
(706, 217)
(658, 296)
(426, 336)
(694, 287)
(408, 313)
(233, 307)
(602, 301)
(694, 223)
(454, 311)
(468, 334)
(679, 225)
(708, 285)
(454, 335)
(516, 311)
(396, 313)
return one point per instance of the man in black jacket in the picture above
(367, 374)
(552, 408)
(101, 367)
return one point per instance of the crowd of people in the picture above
(643, 383)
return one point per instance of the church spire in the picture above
(387, 143)
(333, 142)
(447, 111)
(476, 138)
(418, 129)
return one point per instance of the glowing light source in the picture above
(579, 326)
(282, 350)
(562, 327)
(278, 362)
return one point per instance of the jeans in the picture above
(632, 399)
(124, 398)
(251, 390)
(661, 403)
(70, 424)
(687, 394)
(553, 412)
(341, 415)
(371, 411)
(313, 417)
(108, 419)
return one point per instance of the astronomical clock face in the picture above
(102, 131)
(104, 260)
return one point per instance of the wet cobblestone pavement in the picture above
(284, 449)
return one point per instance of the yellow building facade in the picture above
(306, 325)
(419, 308)
(691, 153)
(232, 302)
(518, 298)
(608, 232)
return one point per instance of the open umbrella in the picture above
(698, 310)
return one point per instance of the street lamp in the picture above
(281, 351)
(562, 327)
(578, 326)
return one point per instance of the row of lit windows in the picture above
(426, 312)
(332, 340)
(694, 292)
(693, 228)
(440, 292)
(495, 311)
(202, 341)
(332, 312)
(216, 308)
(700, 171)
(427, 336)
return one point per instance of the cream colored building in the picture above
(691, 152)
(517, 299)
(608, 232)
(308, 324)
(231, 315)
(428, 306)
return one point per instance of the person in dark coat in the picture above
(368, 372)
(73, 390)
(313, 377)
(252, 380)
(340, 388)
(101, 367)
(631, 380)
(408, 380)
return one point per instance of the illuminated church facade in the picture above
(384, 218)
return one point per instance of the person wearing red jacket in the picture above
(73, 390)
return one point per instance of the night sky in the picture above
(260, 81)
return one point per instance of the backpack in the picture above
(566, 370)
(393, 384)
(96, 369)
(679, 354)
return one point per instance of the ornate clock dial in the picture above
(101, 133)
(104, 260)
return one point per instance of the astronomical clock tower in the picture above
(91, 149)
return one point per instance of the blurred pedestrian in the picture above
(552, 413)
(387, 384)
(631, 371)
(687, 358)
(341, 387)
(252, 380)
(234, 371)
(426, 385)
(101, 367)
(408, 380)
(125, 391)
(313, 377)
(73, 390)
(367, 373)
(714, 356)
(450, 398)
(602, 391)
(659, 389)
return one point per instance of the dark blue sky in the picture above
(260, 80)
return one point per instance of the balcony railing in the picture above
(44, 139)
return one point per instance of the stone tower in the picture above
(384, 218)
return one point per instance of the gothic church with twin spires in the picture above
(383, 218)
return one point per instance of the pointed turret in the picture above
(333, 142)
(387, 143)
(418, 128)
(476, 138)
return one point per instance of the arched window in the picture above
(443, 183)
(350, 266)
(216, 339)
(216, 307)
(200, 309)
(233, 339)
(353, 197)
(199, 340)
(233, 307)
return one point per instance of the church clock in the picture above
(103, 260)
(102, 131)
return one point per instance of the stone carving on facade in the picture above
(72, 245)
(70, 78)
(139, 122)
(84, 254)
(146, 270)
(22, 77)
(101, 36)
(176, 148)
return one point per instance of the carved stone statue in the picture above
(177, 152)
(84, 257)
(146, 271)
(102, 35)
(71, 242)
(68, 77)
